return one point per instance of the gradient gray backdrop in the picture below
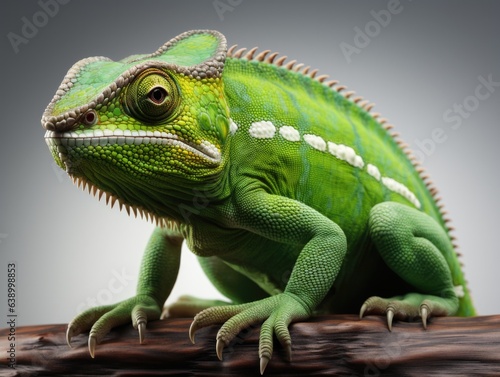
(69, 247)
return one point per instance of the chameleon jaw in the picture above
(205, 149)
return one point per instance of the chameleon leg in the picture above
(232, 284)
(158, 273)
(416, 248)
(323, 246)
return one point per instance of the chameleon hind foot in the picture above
(409, 307)
(189, 306)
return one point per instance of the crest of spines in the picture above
(269, 57)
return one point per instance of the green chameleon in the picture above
(295, 196)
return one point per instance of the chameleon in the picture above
(296, 197)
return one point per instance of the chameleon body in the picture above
(296, 199)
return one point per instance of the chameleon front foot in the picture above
(100, 320)
(409, 307)
(277, 312)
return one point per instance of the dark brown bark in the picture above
(329, 345)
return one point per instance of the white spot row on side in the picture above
(267, 130)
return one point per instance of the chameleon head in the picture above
(145, 125)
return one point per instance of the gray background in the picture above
(69, 247)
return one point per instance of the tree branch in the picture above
(327, 345)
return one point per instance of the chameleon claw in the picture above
(390, 316)
(69, 335)
(92, 344)
(141, 327)
(192, 330)
(362, 311)
(288, 351)
(424, 314)
(263, 364)
(219, 348)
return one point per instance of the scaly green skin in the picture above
(295, 199)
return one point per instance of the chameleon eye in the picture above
(158, 95)
(152, 96)
(89, 118)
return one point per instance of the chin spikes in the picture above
(111, 200)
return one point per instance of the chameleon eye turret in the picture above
(152, 97)
(89, 118)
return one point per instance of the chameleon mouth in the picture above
(205, 149)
